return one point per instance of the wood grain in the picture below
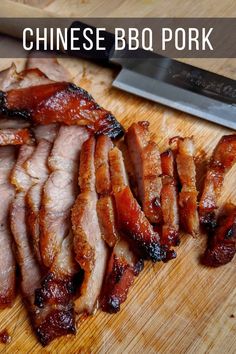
(179, 307)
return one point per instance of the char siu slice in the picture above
(107, 219)
(59, 102)
(222, 244)
(90, 249)
(123, 267)
(105, 203)
(7, 261)
(145, 157)
(60, 191)
(134, 224)
(124, 264)
(55, 293)
(36, 167)
(222, 160)
(119, 179)
(10, 79)
(169, 200)
(58, 287)
(103, 179)
(19, 178)
(187, 175)
(22, 181)
(53, 319)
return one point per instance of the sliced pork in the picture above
(36, 167)
(105, 203)
(22, 182)
(169, 200)
(19, 178)
(119, 178)
(47, 132)
(11, 79)
(58, 288)
(52, 320)
(55, 293)
(58, 196)
(54, 296)
(38, 71)
(107, 219)
(187, 175)
(145, 157)
(60, 191)
(90, 249)
(222, 160)
(87, 167)
(59, 102)
(134, 224)
(8, 77)
(103, 179)
(222, 244)
(124, 264)
(123, 267)
(12, 136)
(49, 66)
(7, 261)
(131, 220)
(30, 272)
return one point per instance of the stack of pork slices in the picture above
(82, 212)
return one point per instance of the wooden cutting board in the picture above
(178, 307)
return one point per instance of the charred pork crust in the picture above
(222, 243)
(222, 160)
(56, 324)
(59, 102)
(109, 126)
(54, 291)
(120, 277)
(134, 224)
(12, 113)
